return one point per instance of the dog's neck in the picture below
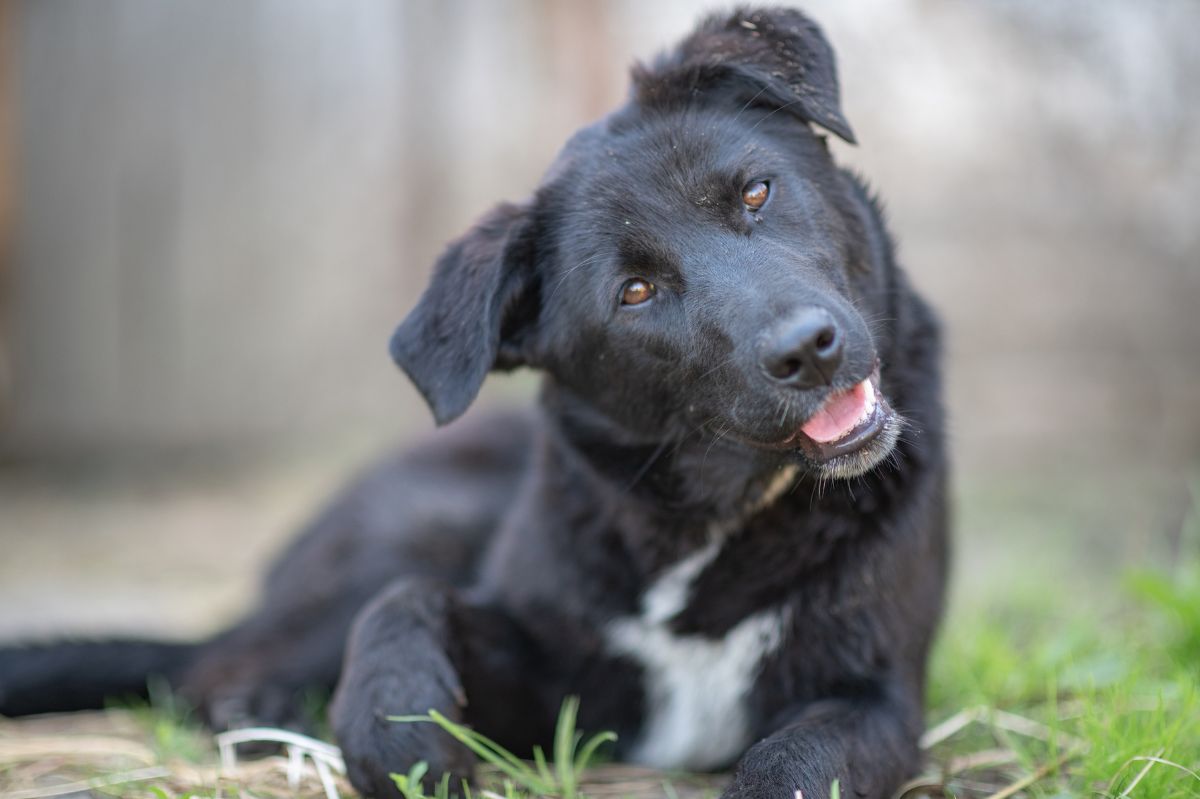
(684, 474)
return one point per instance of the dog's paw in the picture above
(231, 690)
(375, 748)
(788, 782)
(769, 791)
(259, 704)
(396, 664)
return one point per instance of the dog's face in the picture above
(692, 263)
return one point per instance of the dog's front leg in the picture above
(418, 646)
(870, 746)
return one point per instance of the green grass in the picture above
(1105, 692)
(518, 778)
(172, 728)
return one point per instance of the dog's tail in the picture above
(61, 677)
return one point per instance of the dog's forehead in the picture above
(674, 154)
(659, 171)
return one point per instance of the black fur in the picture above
(48, 679)
(492, 564)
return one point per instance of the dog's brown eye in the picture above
(755, 194)
(636, 291)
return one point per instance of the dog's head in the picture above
(693, 261)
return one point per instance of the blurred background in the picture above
(212, 214)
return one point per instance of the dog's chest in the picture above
(696, 687)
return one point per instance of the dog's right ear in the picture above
(773, 57)
(478, 313)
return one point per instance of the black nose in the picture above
(804, 351)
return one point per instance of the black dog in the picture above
(724, 527)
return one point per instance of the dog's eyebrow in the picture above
(644, 255)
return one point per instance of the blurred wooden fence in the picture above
(222, 208)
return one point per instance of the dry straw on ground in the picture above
(114, 754)
(127, 754)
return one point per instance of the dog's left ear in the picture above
(772, 57)
(477, 314)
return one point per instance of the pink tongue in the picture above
(840, 414)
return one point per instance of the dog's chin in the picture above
(852, 432)
(863, 451)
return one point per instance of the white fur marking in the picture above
(696, 686)
(669, 594)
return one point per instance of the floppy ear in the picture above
(773, 57)
(477, 313)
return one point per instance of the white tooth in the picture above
(869, 396)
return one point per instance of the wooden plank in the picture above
(7, 199)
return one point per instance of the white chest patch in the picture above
(695, 686)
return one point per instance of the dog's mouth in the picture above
(852, 431)
(847, 421)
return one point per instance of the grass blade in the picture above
(588, 751)
(565, 742)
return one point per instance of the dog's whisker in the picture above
(562, 278)
(713, 443)
(733, 410)
(683, 439)
(723, 363)
(758, 94)
(645, 467)
(773, 113)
